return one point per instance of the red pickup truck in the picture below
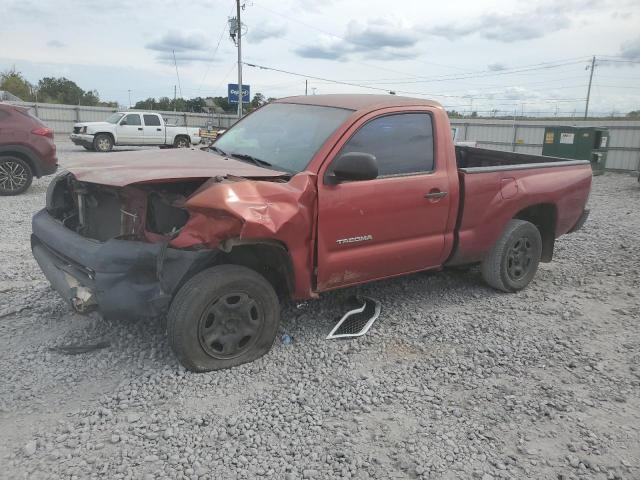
(305, 195)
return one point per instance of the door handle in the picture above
(435, 195)
(139, 128)
(159, 129)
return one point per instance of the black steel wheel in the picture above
(222, 317)
(15, 176)
(230, 325)
(513, 261)
(520, 257)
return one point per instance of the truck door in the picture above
(130, 130)
(393, 224)
(153, 129)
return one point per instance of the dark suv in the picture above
(26, 149)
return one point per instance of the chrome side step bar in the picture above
(358, 321)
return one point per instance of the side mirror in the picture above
(123, 122)
(352, 166)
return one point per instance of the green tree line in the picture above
(199, 104)
(50, 90)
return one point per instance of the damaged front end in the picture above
(125, 249)
(108, 247)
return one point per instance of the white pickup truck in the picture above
(132, 128)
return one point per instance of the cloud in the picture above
(496, 67)
(178, 41)
(381, 39)
(56, 44)
(508, 27)
(631, 49)
(188, 47)
(520, 25)
(265, 31)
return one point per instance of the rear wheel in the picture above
(181, 142)
(102, 143)
(15, 176)
(222, 317)
(513, 260)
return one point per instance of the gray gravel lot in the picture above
(454, 380)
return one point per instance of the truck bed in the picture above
(468, 158)
(497, 186)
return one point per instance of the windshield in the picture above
(286, 135)
(114, 118)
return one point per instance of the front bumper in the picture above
(82, 139)
(122, 278)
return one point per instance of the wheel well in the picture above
(543, 216)
(24, 157)
(182, 135)
(268, 258)
(105, 133)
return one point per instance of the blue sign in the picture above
(232, 93)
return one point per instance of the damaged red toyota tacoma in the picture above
(305, 195)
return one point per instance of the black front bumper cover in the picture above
(125, 278)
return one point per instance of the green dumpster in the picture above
(579, 143)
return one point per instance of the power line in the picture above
(213, 55)
(339, 82)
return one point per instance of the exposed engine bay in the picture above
(148, 212)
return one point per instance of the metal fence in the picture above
(62, 117)
(526, 136)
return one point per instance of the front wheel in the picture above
(222, 317)
(513, 260)
(102, 143)
(15, 176)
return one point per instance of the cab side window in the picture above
(131, 119)
(151, 120)
(402, 143)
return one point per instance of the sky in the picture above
(470, 55)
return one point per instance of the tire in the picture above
(513, 261)
(15, 176)
(181, 142)
(222, 317)
(102, 143)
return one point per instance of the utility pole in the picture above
(239, 26)
(306, 87)
(129, 98)
(593, 66)
(175, 96)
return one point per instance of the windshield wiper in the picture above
(218, 150)
(250, 158)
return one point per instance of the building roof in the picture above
(358, 101)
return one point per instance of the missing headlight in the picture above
(162, 217)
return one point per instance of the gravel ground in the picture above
(454, 380)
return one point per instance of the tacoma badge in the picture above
(360, 238)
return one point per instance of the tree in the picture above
(257, 101)
(148, 104)
(15, 83)
(164, 103)
(634, 114)
(60, 90)
(196, 104)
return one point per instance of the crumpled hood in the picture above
(119, 169)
